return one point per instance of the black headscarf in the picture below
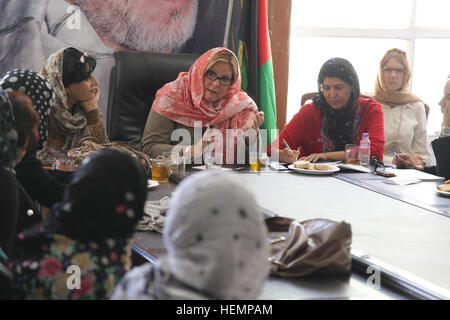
(104, 199)
(37, 89)
(338, 123)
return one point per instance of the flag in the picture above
(255, 61)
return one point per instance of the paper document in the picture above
(401, 181)
(411, 173)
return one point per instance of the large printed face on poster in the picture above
(142, 25)
(31, 30)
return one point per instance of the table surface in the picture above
(403, 228)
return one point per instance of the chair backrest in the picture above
(132, 87)
(307, 96)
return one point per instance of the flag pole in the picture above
(228, 24)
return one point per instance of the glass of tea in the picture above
(258, 162)
(351, 154)
(160, 169)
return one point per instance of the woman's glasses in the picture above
(396, 71)
(224, 81)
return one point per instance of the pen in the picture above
(286, 145)
(395, 155)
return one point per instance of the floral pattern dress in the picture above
(71, 269)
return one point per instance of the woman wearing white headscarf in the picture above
(405, 121)
(215, 238)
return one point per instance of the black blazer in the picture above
(441, 148)
(14, 207)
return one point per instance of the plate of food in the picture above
(313, 168)
(152, 184)
(444, 189)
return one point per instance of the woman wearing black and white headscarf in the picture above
(42, 186)
(216, 242)
(18, 126)
(37, 89)
(337, 116)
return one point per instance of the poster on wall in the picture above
(31, 30)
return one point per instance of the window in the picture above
(362, 31)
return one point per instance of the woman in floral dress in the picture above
(82, 250)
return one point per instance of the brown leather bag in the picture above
(317, 245)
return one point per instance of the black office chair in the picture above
(132, 87)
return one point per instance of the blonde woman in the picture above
(209, 95)
(405, 123)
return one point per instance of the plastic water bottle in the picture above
(364, 150)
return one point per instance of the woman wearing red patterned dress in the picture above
(337, 116)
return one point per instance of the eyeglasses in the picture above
(390, 70)
(224, 81)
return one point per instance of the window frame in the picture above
(409, 34)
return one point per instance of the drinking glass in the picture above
(160, 169)
(258, 161)
(352, 154)
(65, 165)
(212, 162)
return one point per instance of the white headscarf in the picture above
(216, 242)
(216, 238)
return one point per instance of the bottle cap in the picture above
(365, 135)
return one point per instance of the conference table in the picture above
(400, 233)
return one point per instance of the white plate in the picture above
(447, 194)
(152, 183)
(332, 170)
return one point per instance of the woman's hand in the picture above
(409, 161)
(201, 144)
(314, 157)
(91, 104)
(254, 120)
(288, 156)
(259, 118)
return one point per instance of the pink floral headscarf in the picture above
(182, 100)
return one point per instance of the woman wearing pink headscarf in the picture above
(209, 96)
